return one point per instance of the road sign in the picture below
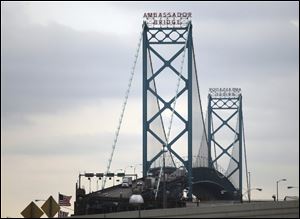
(32, 211)
(50, 207)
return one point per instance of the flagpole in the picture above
(59, 206)
(50, 206)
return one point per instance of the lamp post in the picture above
(134, 167)
(248, 191)
(277, 186)
(131, 166)
(136, 200)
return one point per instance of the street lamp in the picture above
(292, 187)
(277, 186)
(136, 200)
(248, 191)
(132, 166)
(136, 166)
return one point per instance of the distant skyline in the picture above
(64, 72)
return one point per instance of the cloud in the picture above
(295, 23)
(84, 130)
(64, 72)
(66, 67)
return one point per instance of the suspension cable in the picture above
(213, 130)
(124, 106)
(174, 104)
(246, 163)
(199, 97)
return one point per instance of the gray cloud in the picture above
(69, 67)
(71, 145)
(49, 68)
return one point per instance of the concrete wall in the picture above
(288, 209)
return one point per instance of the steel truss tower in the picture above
(233, 106)
(150, 38)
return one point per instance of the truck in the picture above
(127, 182)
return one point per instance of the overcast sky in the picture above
(65, 69)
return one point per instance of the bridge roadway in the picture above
(256, 209)
(114, 192)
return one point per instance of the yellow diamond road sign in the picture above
(50, 207)
(32, 211)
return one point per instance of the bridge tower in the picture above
(225, 110)
(157, 39)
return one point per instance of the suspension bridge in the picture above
(185, 146)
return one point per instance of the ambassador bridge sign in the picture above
(167, 19)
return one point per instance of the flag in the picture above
(63, 214)
(64, 200)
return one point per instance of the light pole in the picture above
(136, 166)
(277, 186)
(131, 166)
(248, 191)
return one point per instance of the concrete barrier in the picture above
(288, 209)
